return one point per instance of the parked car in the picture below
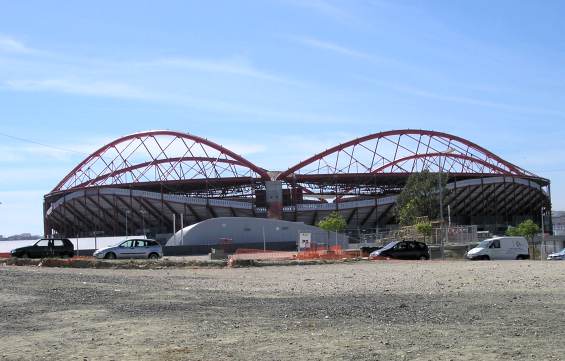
(557, 255)
(46, 247)
(132, 248)
(367, 250)
(403, 250)
(500, 248)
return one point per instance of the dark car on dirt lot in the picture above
(46, 247)
(402, 250)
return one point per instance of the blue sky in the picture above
(276, 81)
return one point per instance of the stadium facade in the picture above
(156, 182)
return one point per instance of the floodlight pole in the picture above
(126, 212)
(542, 235)
(441, 251)
(142, 211)
(182, 228)
(440, 185)
(95, 234)
(175, 229)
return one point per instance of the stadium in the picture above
(157, 182)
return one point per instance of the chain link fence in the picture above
(456, 235)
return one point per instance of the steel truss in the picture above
(381, 161)
(164, 157)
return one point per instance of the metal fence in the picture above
(454, 235)
(450, 235)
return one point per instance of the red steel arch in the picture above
(404, 151)
(158, 155)
(467, 164)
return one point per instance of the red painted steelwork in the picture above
(497, 170)
(100, 180)
(420, 147)
(88, 172)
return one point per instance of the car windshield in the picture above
(562, 251)
(484, 244)
(389, 245)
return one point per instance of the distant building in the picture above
(558, 219)
(19, 237)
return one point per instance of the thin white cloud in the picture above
(30, 150)
(11, 45)
(325, 8)
(333, 47)
(236, 66)
(474, 101)
(73, 86)
(133, 80)
(127, 91)
(340, 49)
(298, 148)
(243, 149)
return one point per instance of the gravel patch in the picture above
(346, 311)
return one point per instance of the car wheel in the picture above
(65, 256)
(153, 256)
(25, 255)
(520, 258)
(110, 255)
(423, 258)
(485, 258)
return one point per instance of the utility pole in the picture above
(175, 229)
(542, 235)
(126, 212)
(142, 211)
(182, 228)
(440, 184)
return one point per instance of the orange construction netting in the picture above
(332, 252)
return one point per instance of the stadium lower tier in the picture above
(491, 203)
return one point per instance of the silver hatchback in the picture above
(132, 248)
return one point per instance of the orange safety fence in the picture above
(260, 254)
(332, 252)
(314, 253)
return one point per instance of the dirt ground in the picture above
(456, 310)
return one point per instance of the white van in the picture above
(500, 248)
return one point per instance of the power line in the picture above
(43, 144)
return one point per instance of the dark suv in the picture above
(46, 247)
(402, 250)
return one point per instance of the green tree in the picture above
(527, 229)
(424, 228)
(420, 197)
(333, 222)
(512, 231)
(408, 213)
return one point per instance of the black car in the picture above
(46, 247)
(403, 250)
